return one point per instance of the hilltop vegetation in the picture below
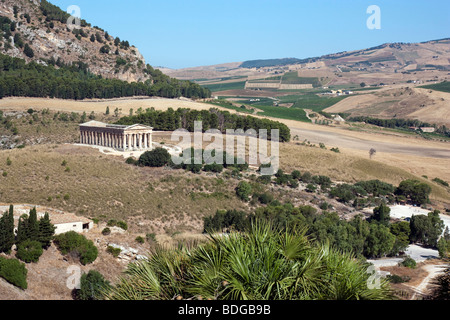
(75, 81)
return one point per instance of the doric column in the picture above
(108, 139)
(151, 140)
(145, 142)
(129, 142)
(124, 142)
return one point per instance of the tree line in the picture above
(214, 118)
(74, 81)
(370, 238)
(400, 123)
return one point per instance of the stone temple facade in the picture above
(123, 138)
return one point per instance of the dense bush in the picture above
(74, 243)
(417, 192)
(29, 251)
(158, 157)
(244, 190)
(409, 263)
(14, 271)
(225, 221)
(92, 286)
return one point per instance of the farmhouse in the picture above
(136, 137)
(63, 221)
(428, 129)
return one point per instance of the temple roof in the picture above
(98, 124)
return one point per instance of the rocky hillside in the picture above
(38, 30)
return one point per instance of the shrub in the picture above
(324, 205)
(115, 223)
(296, 175)
(155, 158)
(417, 191)
(132, 161)
(106, 231)
(311, 188)
(265, 198)
(335, 150)
(264, 179)
(140, 239)
(29, 251)
(14, 271)
(114, 251)
(440, 181)
(92, 285)
(409, 263)
(397, 279)
(72, 242)
(243, 190)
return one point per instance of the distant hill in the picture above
(270, 63)
(41, 55)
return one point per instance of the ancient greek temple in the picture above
(124, 138)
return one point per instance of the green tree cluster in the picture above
(75, 81)
(77, 244)
(171, 120)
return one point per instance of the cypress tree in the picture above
(22, 229)
(33, 225)
(46, 231)
(9, 230)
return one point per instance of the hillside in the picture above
(387, 63)
(44, 28)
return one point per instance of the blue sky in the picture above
(188, 33)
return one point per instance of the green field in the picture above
(284, 113)
(293, 78)
(443, 86)
(315, 102)
(225, 86)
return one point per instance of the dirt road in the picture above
(362, 143)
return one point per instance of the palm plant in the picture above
(261, 264)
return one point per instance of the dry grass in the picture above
(107, 188)
(347, 167)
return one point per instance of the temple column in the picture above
(145, 142)
(129, 142)
(124, 142)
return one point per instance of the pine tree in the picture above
(46, 231)
(28, 51)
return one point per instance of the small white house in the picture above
(63, 221)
